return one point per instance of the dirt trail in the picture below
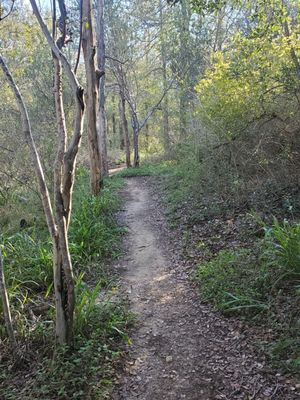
(181, 348)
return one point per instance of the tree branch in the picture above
(9, 12)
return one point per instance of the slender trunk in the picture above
(101, 106)
(113, 122)
(6, 306)
(135, 128)
(165, 102)
(219, 31)
(125, 129)
(88, 47)
(147, 136)
(121, 135)
(184, 56)
(63, 273)
(64, 171)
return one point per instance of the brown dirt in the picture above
(182, 349)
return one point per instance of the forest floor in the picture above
(181, 348)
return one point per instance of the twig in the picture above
(116, 60)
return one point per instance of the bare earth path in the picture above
(181, 348)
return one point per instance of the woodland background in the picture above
(210, 93)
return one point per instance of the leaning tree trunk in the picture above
(101, 106)
(88, 46)
(6, 306)
(122, 110)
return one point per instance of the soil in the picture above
(181, 348)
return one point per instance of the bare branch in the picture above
(9, 12)
(116, 60)
(80, 40)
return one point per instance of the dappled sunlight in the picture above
(161, 278)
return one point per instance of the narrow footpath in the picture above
(181, 348)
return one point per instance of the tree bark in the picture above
(63, 271)
(184, 34)
(88, 47)
(136, 129)
(165, 103)
(101, 106)
(6, 306)
(122, 106)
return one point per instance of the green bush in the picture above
(284, 246)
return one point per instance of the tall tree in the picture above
(89, 53)
(165, 103)
(57, 217)
(101, 105)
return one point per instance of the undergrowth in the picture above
(261, 284)
(101, 319)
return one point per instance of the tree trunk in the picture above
(101, 106)
(6, 306)
(165, 103)
(63, 273)
(113, 122)
(122, 106)
(64, 172)
(88, 47)
(147, 136)
(135, 128)
(184, 37)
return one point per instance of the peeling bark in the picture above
(102, 133)
(88, 47)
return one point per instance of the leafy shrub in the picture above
(284, 246)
